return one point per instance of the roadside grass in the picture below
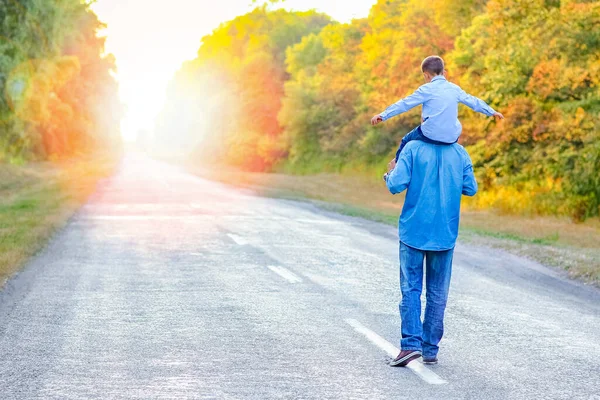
(552, 241)
(38, 198)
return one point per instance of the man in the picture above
(436, 177)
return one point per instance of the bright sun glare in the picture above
(151, 39)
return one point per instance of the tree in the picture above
(547, 82)
(59, 95)
(247, 57)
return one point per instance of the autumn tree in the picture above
(295, 91)
(246, 56)
(58, 95)
(538, 60)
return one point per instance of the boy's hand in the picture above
(498, 116)
(376, 119)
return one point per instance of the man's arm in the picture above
(407, 103)
(476, 104)
(469, 182)
(398, 177)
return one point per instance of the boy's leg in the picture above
(439, 271)
(415, 134)
(411, 285)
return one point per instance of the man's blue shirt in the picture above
(435, 176)
(440, 100)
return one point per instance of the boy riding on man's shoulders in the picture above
(440, 99)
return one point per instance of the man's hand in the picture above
(376, 119)
(391, 165)
(498, 116)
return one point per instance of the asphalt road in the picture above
(166, 285)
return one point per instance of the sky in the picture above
(152, 38)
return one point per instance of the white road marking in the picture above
(417, 367)
(238, 239)
(318, 279)
(286, 274)
(325, 281)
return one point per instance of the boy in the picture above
(440, 100)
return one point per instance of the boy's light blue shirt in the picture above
(440, 100)
(435, 176)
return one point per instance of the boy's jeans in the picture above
(427, 335)
(415, 134)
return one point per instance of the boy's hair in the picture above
(433, 65)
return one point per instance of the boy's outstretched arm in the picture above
(407, 103)
(476, 104)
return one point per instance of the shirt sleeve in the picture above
(469, 182)
(407, 103)
(399, 179)
(475, 103)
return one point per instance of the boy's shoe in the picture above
(430, 360)
(405, 357)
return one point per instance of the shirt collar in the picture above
(437, 78)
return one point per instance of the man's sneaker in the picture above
(405, 357)
(430, 360)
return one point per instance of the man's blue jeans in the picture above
(423, 336)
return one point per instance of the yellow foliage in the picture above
(33, 86)
(524, 199)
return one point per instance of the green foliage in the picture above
(58, 95)
(366, 65)
(547, 85)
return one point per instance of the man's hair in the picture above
(433, 65)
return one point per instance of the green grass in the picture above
(553, 241)
(359, 212)
(37, 199)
